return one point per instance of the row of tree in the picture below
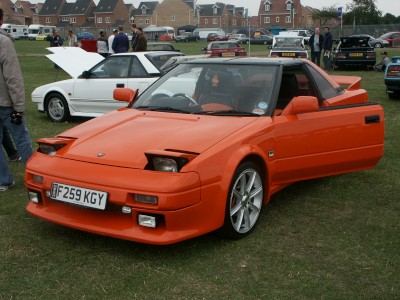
(361, 12)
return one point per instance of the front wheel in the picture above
(378, 45)
(57, 108)
(244, 202)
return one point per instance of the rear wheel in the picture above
(378, 45)
(244, 202)
(57, 108)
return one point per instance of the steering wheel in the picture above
(186, 96)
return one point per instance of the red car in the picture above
(392, 38)
(224, 49)
(215, 37)
(203, 149)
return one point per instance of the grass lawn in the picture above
(330, 238)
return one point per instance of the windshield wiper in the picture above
(225, 113)
(161, 108)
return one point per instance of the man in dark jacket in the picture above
(316, 42)
(121, 41)
(327, 48)
(134, 36)
(141, 44)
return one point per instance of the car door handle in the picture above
(372, 119)
(120, 85)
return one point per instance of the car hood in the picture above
(73, 60)
(124, 136)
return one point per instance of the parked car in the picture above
(392, 78)
(41, 37)
(239, 38)
(288, 45)
(302, 32)
(161, 47)
(373, 42)
(354, 51)
(175, 165)
(215, 37)
(260, 40)
(166, 37)
(186, 37)
(224, 49)
(90, 91)
(390, 36)
(84, 36)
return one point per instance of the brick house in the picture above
(145, 14)
(281, 13)
(214, 15)
(25, 13)
(75, 14)
(50, 11)
(174, 13)
(111, 14)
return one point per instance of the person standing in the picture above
(121, 41)
(327, 48)
(55, 39)
(141, 44)
(316, 41)
(134, 36)
(102, 45)
(12, 102)
(72, 39)
(110, 41)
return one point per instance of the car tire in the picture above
(57, 108)
(265, 42)
(244, 201)
(378, 45)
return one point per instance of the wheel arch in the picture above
(55, 91)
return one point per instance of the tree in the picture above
(389, 19)
(325, 15)
(363, 12)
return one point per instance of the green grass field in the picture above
(330, 238)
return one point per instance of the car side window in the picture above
(325, 88)
(137, 69)
(114, 67)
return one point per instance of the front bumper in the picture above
(180, 211)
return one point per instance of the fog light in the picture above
(38, 179)
(34, 197)
(126, 209)
(146, 199)
(147, 221)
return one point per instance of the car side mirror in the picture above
(124, 94)
(301, 105)
(86, 74)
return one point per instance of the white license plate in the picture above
(77, 195)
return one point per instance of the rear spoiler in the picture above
(352, 82)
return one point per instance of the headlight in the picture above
(50, 149)
(168, 161)
(165, 164)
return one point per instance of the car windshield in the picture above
(159, 59)
(215, 89)
(288, 42)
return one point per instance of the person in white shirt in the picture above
(72, 39)
(110, 41)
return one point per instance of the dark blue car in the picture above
(392, 78)
(84, 36)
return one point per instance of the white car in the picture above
(288, 44)
(90, 91)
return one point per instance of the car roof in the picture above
(271, 61)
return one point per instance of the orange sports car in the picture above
(203, 149)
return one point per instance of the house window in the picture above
(147, 21)
(267, 7)
(108, 20)
(277, 19)
(173, 18)
(205, 21)
(288, 19)
(267, 20)
(144, 11)
(215, 21)
(141, 22)
(288, 5)
(215, 10)
(73, 20)
(64, 19)
(234, 22)
(99, 20)
(48, 20)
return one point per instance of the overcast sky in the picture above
(384, 6)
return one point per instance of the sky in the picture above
(385, 6)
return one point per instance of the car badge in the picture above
(101, 154)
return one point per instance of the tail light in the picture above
(302, 55)
(341, 55)
(393, 71)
